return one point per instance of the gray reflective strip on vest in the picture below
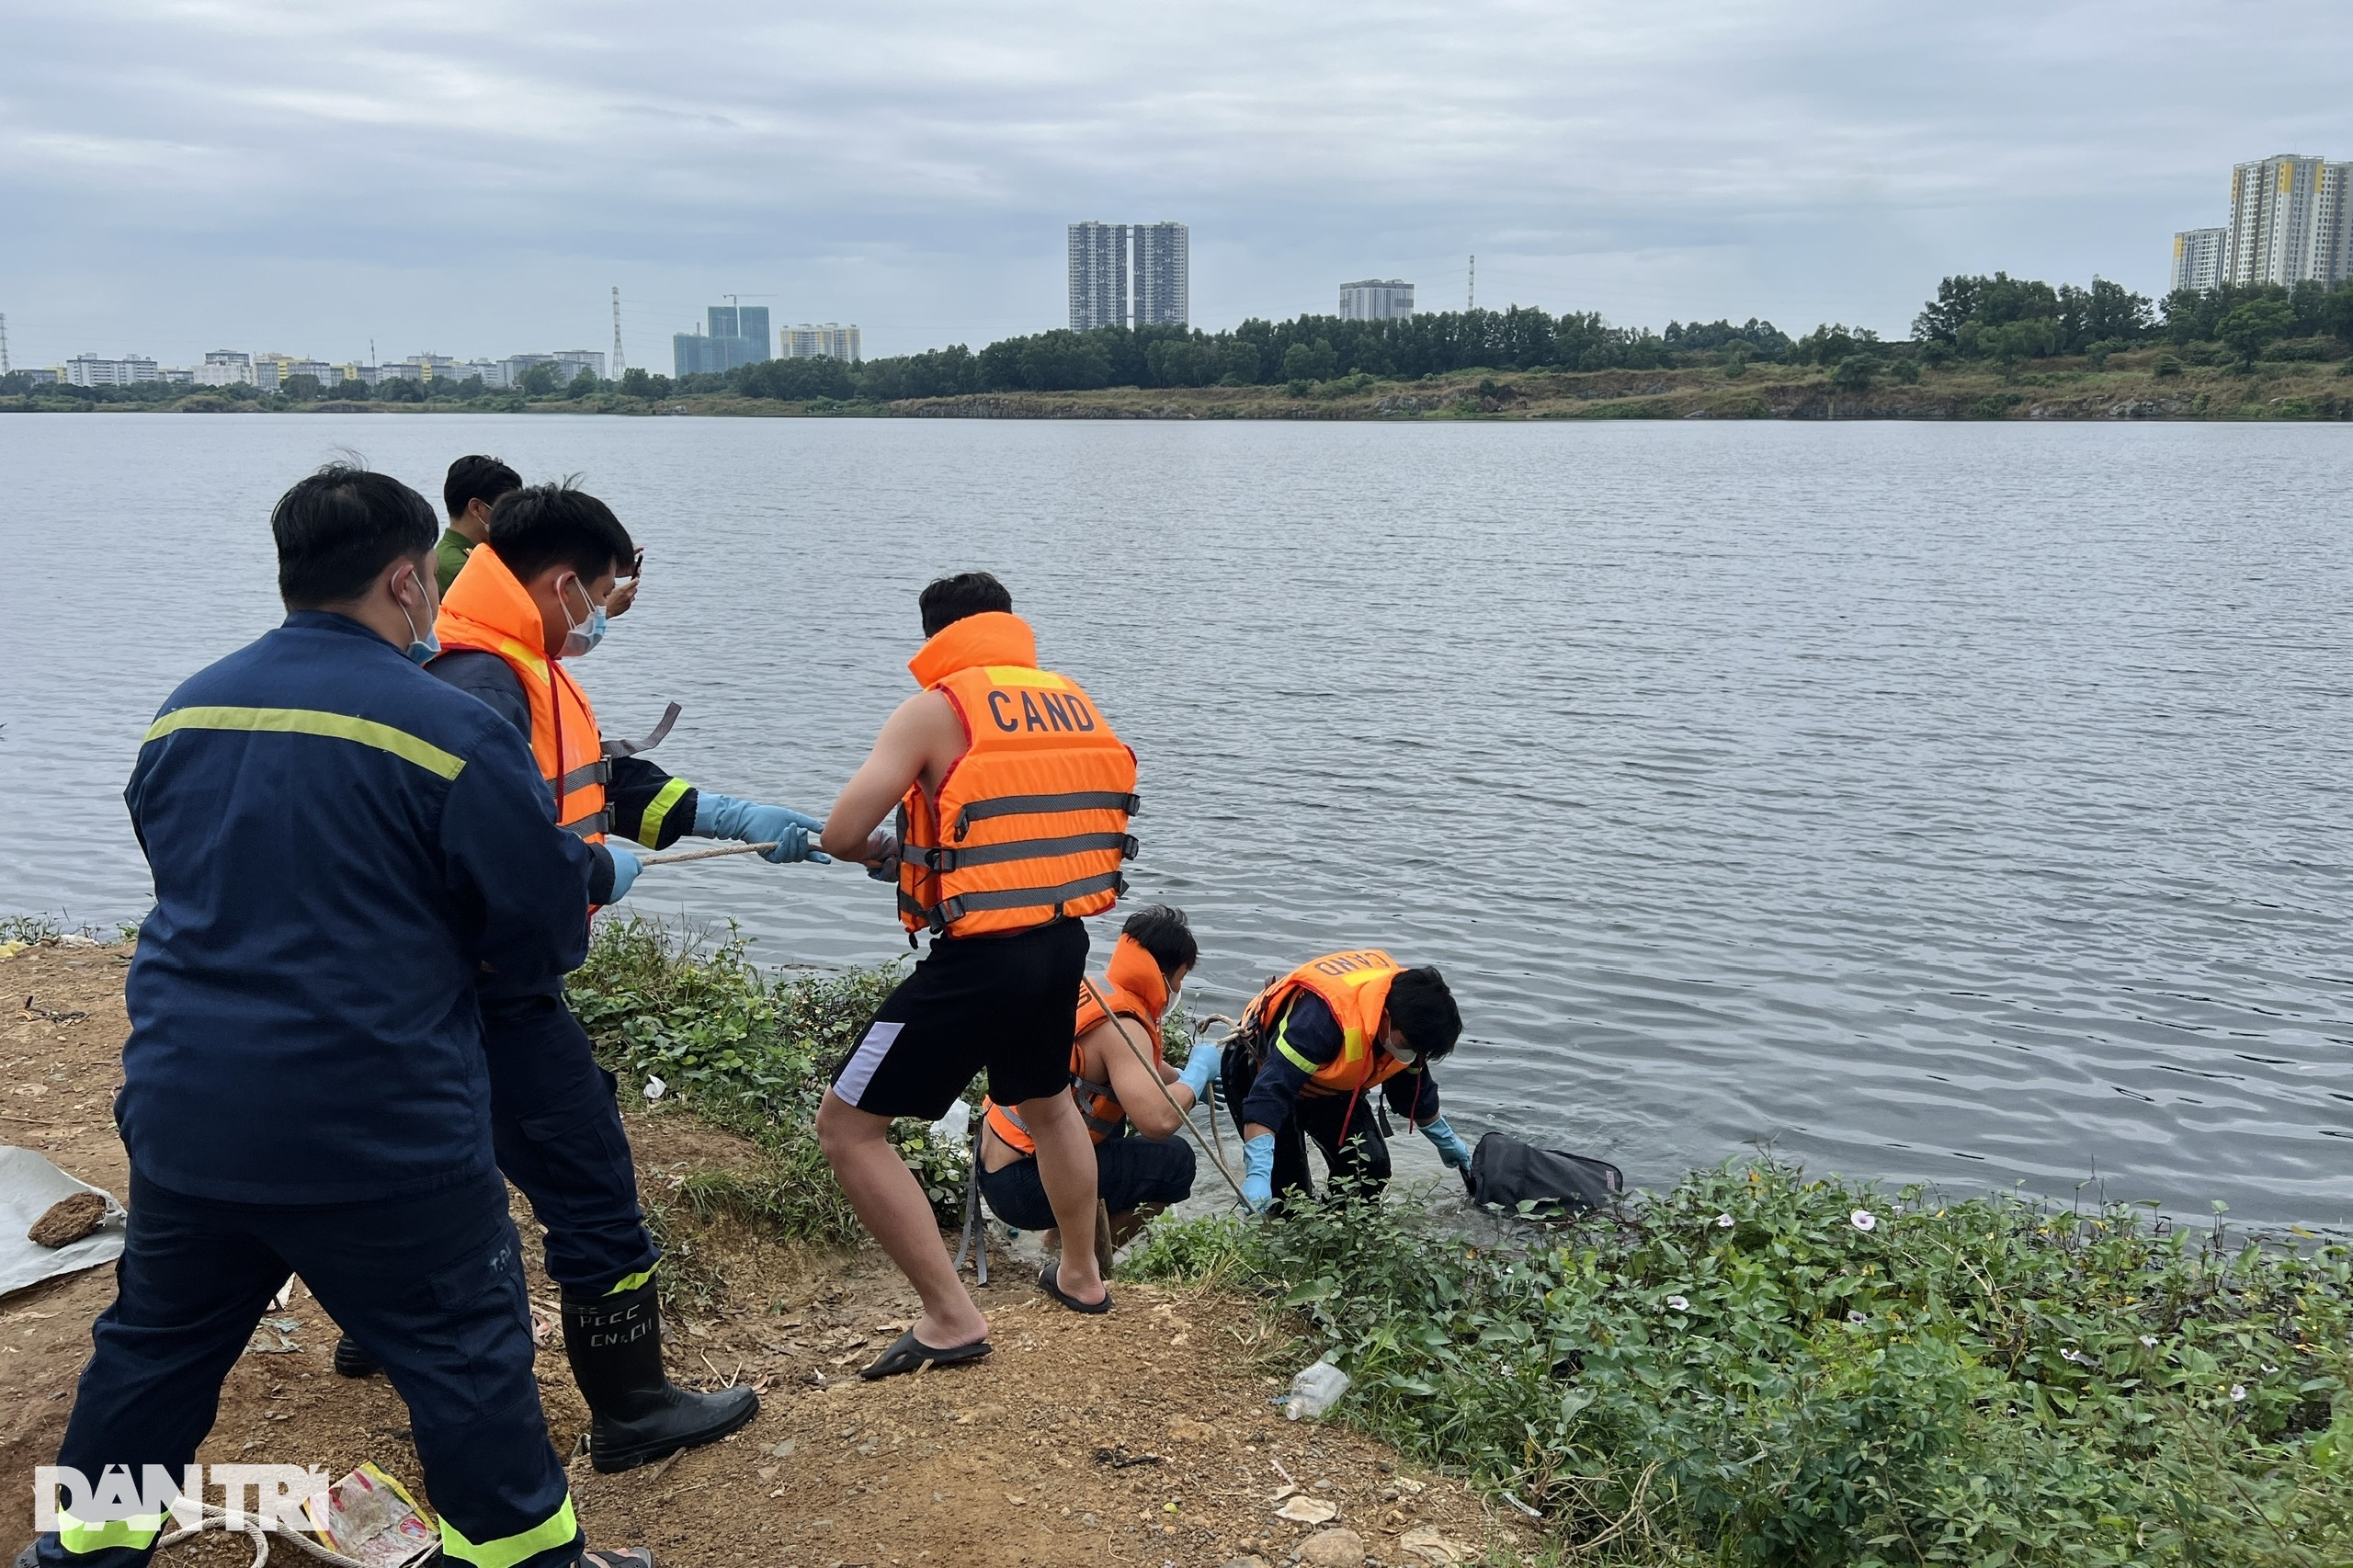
(1025, 805)
(631, 748)
(957, 858)
(956, 908)
(597, 772)
(594, 821)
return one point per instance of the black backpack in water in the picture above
(1506, 1173)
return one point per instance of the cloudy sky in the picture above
(474, 178)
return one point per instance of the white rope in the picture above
(260, 1530)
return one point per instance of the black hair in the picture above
(1423, 1010)
(1167, 934)
(951, 599)
(555, 525)
(477, 478)
(340, 527)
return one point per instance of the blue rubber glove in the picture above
(625, 868)
(1450, 1148)
(1258, 1172)
(1199, 1068)
(746, 821)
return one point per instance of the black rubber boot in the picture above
(614, 1344)
(351, 1361)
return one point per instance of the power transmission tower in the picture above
(4, 344)
(616, 332)
(1471, 301)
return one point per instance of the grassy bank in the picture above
(2153, 383)
(1756, 1367)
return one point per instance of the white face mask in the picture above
(1405, 1054)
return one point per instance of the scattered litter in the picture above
(1314, 1391)
(1531, 1513)
(1407, 1486)
(75, 939)
(371, 1518)
(1306, 1510)
(954, 1130)
(1118, 1458)
(285, 1297)
(654, 1088)
(68, 1220)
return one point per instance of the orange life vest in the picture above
(1355, 985)
(1137, 993)
(487, 608)
(1032, 822)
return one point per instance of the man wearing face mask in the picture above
(1313, 1048)
(527, 603)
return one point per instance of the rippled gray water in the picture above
(1953, 802)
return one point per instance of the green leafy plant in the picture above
(1762, 1368)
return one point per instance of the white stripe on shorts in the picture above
(852, 1084)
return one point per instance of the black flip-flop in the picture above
(1049, 1281)
(908, 1354)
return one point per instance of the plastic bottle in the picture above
(953, 1129)
(1316, 1390)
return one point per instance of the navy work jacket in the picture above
(339, 843)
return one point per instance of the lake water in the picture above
(1951, 801)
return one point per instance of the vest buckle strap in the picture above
(651, 739)
(950, 857)
(593, 823)
(1045, 805)
(951, 910)
(597, 772)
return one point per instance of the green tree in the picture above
(1313, 361)
(2012, 341)
(302, 389)
(1853, 374)
(2255, 326)
(583, 385)
(542, 379)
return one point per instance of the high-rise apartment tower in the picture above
(1163, 274)
(1375, 298)
(2197, 257)
(2291, 222)
(1099, 276)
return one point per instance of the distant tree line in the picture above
(2001, 318)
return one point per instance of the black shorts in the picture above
(1006, 1004)
(1129, 1174)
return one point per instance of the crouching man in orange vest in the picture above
(1013, 796)
(1313, 1047)
(1117, 1081)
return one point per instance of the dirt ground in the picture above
(1145, 1437)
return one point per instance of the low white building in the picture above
(94, 370)
(225, 368)
(831, 341)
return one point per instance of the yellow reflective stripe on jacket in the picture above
(507, 1550)
(311, 721)
(133, 1533)
(649, 829)
(1282, 1043)
(631, 1281)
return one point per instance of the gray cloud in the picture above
(472, 178)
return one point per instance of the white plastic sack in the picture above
(30, 1185)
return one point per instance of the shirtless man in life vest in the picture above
(1013, 797)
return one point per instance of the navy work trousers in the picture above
(1129, 1172)
(559, 1139)
(1355, 1152)
(431, 1285)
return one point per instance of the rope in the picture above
(1145, 1062)
(684, 855)
(260, 1530)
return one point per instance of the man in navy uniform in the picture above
(340, 845)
